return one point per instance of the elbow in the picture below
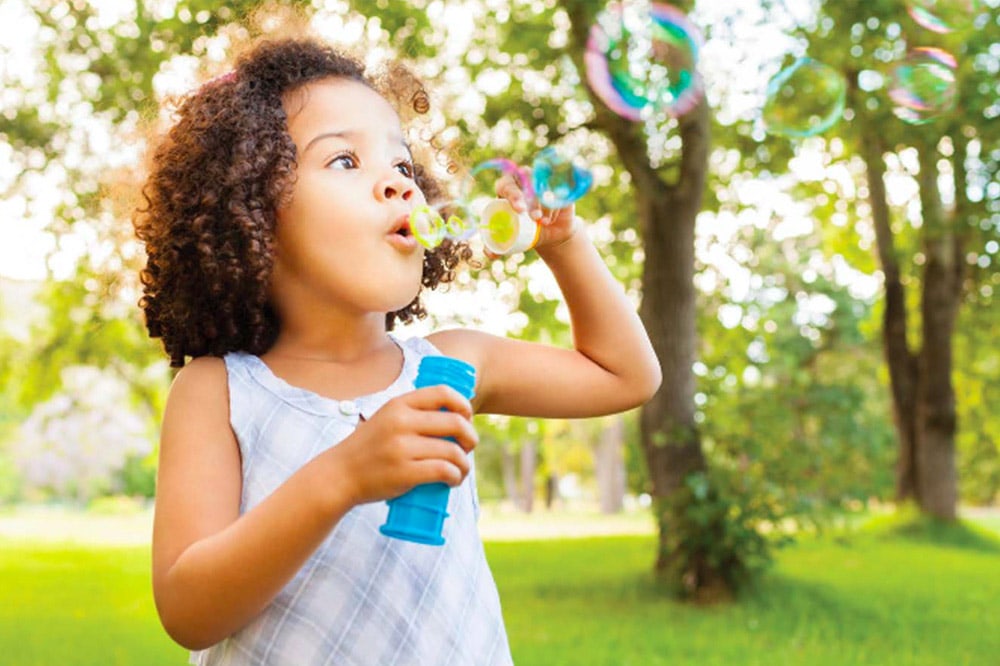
(645, 384)
(185, 633)
(652, 382)
(185, 628)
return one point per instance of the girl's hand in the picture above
(558, 224)
(401, 446)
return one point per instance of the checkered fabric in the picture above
(362, 599)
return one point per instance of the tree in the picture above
(920, 193)
(932, 255)
(668, 199)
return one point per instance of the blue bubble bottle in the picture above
(419, 514)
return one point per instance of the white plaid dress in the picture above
(362, 599)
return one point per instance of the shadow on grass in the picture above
(909, 525)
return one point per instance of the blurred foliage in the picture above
(794, 355)
(794, 405)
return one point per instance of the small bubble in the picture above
(804, 99)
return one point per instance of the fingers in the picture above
(434, 411)
(433, 398)
(444, 461)
(446, 424)
(508, 188)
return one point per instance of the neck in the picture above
(330, 338)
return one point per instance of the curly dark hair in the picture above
(216, 181)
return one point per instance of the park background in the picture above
(813, 484)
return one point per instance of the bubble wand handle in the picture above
(418, 515)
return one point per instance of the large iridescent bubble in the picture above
(642, 58)
(558, 180)
(804, 99)
(923, 85)
(942, 16)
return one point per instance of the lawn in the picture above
(890, 594)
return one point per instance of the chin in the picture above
(405, 298)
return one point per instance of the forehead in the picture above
(337, 104)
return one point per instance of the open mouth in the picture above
(402, 227)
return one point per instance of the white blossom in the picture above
(74, 444)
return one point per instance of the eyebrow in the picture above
(348, 134)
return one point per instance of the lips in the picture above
(401, 226)
(400, 236)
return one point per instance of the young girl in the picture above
(279, 258)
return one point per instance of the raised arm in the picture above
(612, 366)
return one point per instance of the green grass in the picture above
(73, 605)
(899, 592)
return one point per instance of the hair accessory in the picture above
(222, 78)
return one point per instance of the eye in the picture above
(405, 167)
(348, 160)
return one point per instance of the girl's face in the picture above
(343, 238)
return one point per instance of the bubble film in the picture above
(430, 225)
(942, 16)
(480, 184)
(427, 226)
(642, 58)
(923, 85)
(557, 180)
(804, 99)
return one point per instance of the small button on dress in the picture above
(348, 407)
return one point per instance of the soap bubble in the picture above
(804, 99)
(642, 58)
(942, 16)
(479, 185)
(557, 180)
(923, 85)
(431, 224)
(427, 226)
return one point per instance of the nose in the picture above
(395, 185)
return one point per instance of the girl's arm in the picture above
(215, 570)
(612, 366)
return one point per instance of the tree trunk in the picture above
(527, 494)
(508, 466)
(667, 212)
(670, 439)
(609, 465)
(922, 395)
(901, 361)
(937, 483)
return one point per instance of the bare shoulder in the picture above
(196, 416)
(198, 405)
(476, 348)
(203, 376)
(462, 343)
(198, 477)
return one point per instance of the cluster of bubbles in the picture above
(641, 58)
(555, 180)
(807, 97)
